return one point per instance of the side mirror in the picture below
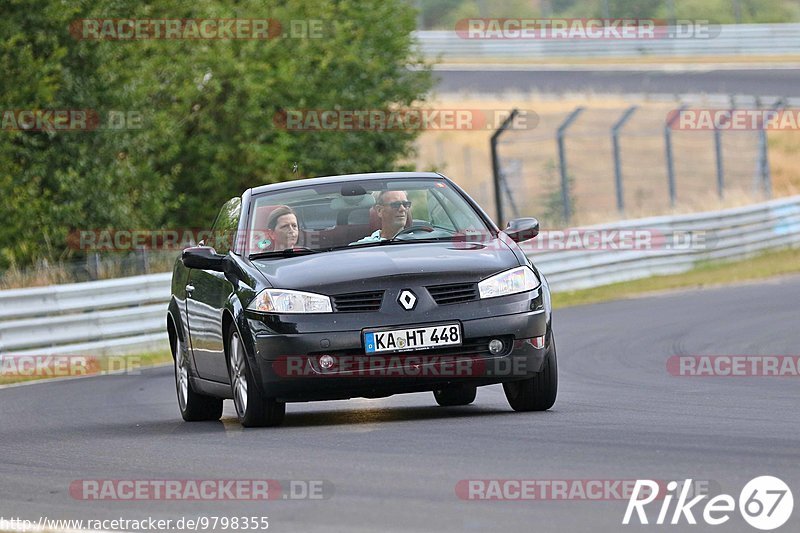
(522, 229)
(203, 258)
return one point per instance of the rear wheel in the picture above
(537, 393)
(252, 408)
(194, 407)
(455, 396)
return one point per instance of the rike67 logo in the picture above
(765, 503)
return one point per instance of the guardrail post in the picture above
(617, 160)
(498, 196)
(668, 155)
(562, 162)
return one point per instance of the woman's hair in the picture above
(278, 212)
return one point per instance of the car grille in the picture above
(454, 294)
(358, 301)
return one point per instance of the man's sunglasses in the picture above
(396, 205)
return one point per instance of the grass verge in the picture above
(710, 273)
(38, 367)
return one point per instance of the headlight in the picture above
(285, 301)
(520, 279)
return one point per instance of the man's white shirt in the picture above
(374, 237)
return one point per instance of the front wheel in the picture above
(252, 408)
(537, 393)
(194, 407)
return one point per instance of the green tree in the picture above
(207, 106)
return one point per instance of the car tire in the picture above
(537, 393)
(455, 396)
(252, 408)
(194, 407)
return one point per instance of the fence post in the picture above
(562, 162)
(766, 176)
(617, 160)
(720, 170)
(763, 152)
(517, 165)
(141, 258)
(758, 176)
(93, 266)
(498, 196)
(668, 148)
(467, 164)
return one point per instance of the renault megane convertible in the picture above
(362, 285)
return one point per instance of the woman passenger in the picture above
(282, 222)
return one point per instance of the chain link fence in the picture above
(583, 165)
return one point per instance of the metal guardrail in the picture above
(733, 39)
(84, 297)
(727, 234)
(129, 314)
(115, 315)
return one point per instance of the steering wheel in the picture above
(412, 229)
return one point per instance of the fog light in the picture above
(495, 346)
(326, 361)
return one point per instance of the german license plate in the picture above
(421, 338)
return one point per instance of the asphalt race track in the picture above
(394, 463)
(759, 82)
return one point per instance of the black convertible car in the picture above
(362, 285)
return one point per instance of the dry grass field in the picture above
(530, 157)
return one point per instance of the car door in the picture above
(207, 293)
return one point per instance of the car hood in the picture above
(381, 267)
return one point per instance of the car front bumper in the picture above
(288, 364)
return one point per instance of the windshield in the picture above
(359, 214)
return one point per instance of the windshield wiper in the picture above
(388, 242)
(426, 239)
(289, 252)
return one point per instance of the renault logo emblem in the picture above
(407, 299)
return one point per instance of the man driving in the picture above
(393, 209)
